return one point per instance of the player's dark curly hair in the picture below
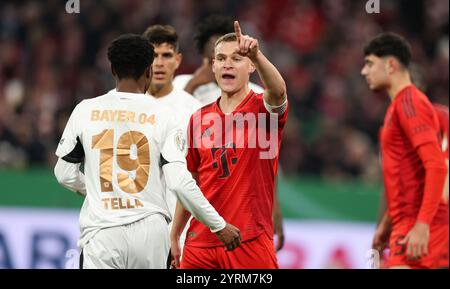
(389, 44)
(159, 34)
(130, 55)
(211, 26)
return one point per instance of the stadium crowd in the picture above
(50, 60)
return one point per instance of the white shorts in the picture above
(140, 245)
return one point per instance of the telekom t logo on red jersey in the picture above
(223, 160)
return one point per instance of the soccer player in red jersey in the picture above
(413, 164)
(442, 112)
(236, 175)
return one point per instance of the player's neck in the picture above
(160, 91)
(398, 84)
(229, 101)
(129, 86)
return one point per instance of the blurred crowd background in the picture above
(50, 60)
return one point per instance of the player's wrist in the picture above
(423, 224)
(256, 57)
(191, 86)
(175, 235)
(218, 230)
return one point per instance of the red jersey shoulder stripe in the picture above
(408, 105)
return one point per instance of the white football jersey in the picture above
(125, 138)
(181, 103)
(184, 105)
(207, 93)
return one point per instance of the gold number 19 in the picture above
(141, 164)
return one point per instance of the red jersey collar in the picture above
(238, 108)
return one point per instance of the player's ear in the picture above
(391, 65)
(178, 58)
(213, 61)
(252, 68)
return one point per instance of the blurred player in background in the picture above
(203, 86)
(127, 141)
(413, 164)
(167, 60)
(236, 180)
(384, 227)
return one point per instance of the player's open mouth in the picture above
(228, 76)
(159, 74)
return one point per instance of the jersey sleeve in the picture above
(280, 113)
(417, 120)
(173, 146)
(70, 147)
(193, 157)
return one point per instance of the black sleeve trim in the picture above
(76, 156)
(80, 265)
(162, 161)
(169, 259)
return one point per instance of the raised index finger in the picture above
(237, 30)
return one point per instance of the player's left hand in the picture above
(416, 241)
(247, 46)
(278, 229)
(175, 253)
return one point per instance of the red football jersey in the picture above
(410, 121)
(442, 113)
(233, 176)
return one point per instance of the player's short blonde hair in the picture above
(230, 37)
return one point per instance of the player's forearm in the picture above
(180, 181)
(191, 86)
(382, 212)
(179, 221)
(275, 86)
(435, 177)
(385, 222)
(70, 176)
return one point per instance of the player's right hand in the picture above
(278, 228)
(247, 46)
(230, 236)
(381, 239)
(175, 252)
(416, 241)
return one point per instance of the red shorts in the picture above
(437, 247)
(258, 253)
